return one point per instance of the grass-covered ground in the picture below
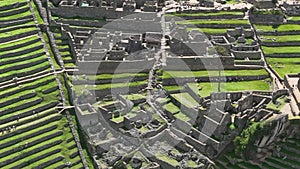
(215, 22)
(5, 2)
(50, 136)
(284, 38)
(281, 50)
(204, 73)
(205, 88)
(285, 65)
(293, 18)
(280, 28)
(209, 30)
(208, 13)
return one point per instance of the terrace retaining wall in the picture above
(18, 36)
(284, 55)
(246, 54)
(88, 12)
(277, 33)
(136, 66)
(21, 59)
(226, 16)
(39, 109)
(23, 130)
(277, 44)
(232, 26)
(19, 45)
(18, 67)
(120, 90)
(109, 81)
(199, 63)
(11, 6)
(182, 81)
(14, 12)
(16, 22)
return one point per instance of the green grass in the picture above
(15, 32)
(64, 88)
(205, 88)
(284, 38)
(167, 159)
(281, 28)
(36, 12)
(79, 88)
(280, 102)
(215, 22)
(110, 76)
(6, 2)
(18, 41)
(19, 15)
(281, 50)
(22, 63)
(182, 116)
(285, 65)
(293, 18)
(55, 64)
(22, 48)
(172, 88)
(204, 73)
(207, 13)
(210, 30)
(35, 82)
(185, 99)
(118, 119)
(171, 108)
(16, 72)
(232, 2)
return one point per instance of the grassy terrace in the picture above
(289, 150)
(111, 76)
(210, 30)
(80, 88)
(18, 31)
(55, 64)
(63, 48)
(185, 99)
(5, 2)
(285, 38)
(281, 28)
(207, 14)
(285, 65)
(281, 50)
(293, 18)
(19, 15)
(215, 22)
(18, 41)
(206, 88)
(204, 73)
(41, 134)
(54, 132)
(280, 102)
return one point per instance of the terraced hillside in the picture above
(282, 47)
(285, 155)
(213, 23)
(35, 130)
(231, 80)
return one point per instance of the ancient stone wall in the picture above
(88, 12)
(111, 67)
(246, 54)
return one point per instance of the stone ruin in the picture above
(240, 42)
